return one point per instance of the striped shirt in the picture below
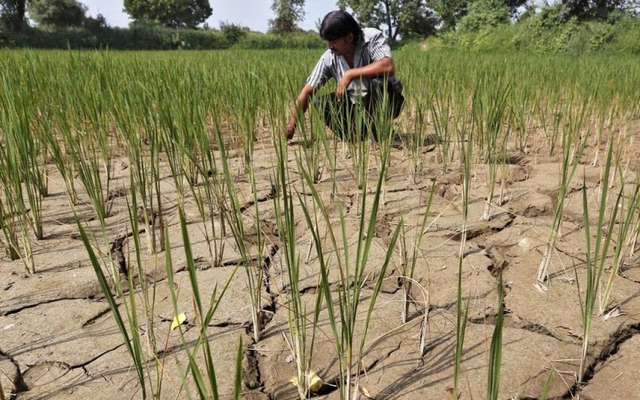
(369, 49)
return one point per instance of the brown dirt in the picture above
(59, 340)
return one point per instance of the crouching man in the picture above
(360, 61)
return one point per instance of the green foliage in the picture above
(57, 13)
(12, 14)
(271, 42)
(546, 32)
(153, 37)
(398, 18)
(232, 32)
(169, 13)
(484, 14)
(451, 12)
(288, 14)
(595, 10)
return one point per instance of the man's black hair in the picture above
(338, 24)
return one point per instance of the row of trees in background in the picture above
(399, 19)
(167, 13)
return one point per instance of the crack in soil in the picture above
(251, 203)
(617, 339)
(509, 322)
(19, 385)
(380, 359)
(96, 317)
(49, 301)
(84, 364)
(251, 376)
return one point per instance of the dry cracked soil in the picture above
(59, 340)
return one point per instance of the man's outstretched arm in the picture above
(298, 110)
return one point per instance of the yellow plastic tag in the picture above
(315, 382)
(178, 320)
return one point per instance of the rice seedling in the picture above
(410, 262)
(21, 173)
(205, 381)
(129, 329)
(495, 352)
(296, 310)
(441, 111)
(627, 209)
(489, 112)
(465, 142)
(595, 262)
(245, 111)
(573, 145)
(234, 214)
(352, 276)
(134, 135)
(13, 211)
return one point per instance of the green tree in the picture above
(233, 32)
(288, 14)
(170, 13)
(484, 14)
(12, 13)
(453, 11)
(450, 12)
(57, 13)
(397, 18)
(595, 9)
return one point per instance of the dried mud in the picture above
(59, 340)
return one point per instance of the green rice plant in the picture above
(343, 320)
(177, 105)
(314, 141)
(465, 140)
(489, 111)
(246, 94)
(595, 263)
(94, 119)
(410, 263)
(48, 134)
(129, 330)
(205, 381)
(9, 226)
(551, 124)
(142, 144)
(325, 143)
(13, 211)
(14, 169)
(147, 362)
(418, 140)
(573, 144)
(234, 214)
(210, 195)
(32, 169)
(521, 118)
(495, 352)
(147, 291)
(296, 310)
(627, 209)
(27, 153)
(547, 384)
(85, 157)
(358, 147)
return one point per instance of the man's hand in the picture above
(291, 130)
(343, 84)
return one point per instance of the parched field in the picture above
(162, 240)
